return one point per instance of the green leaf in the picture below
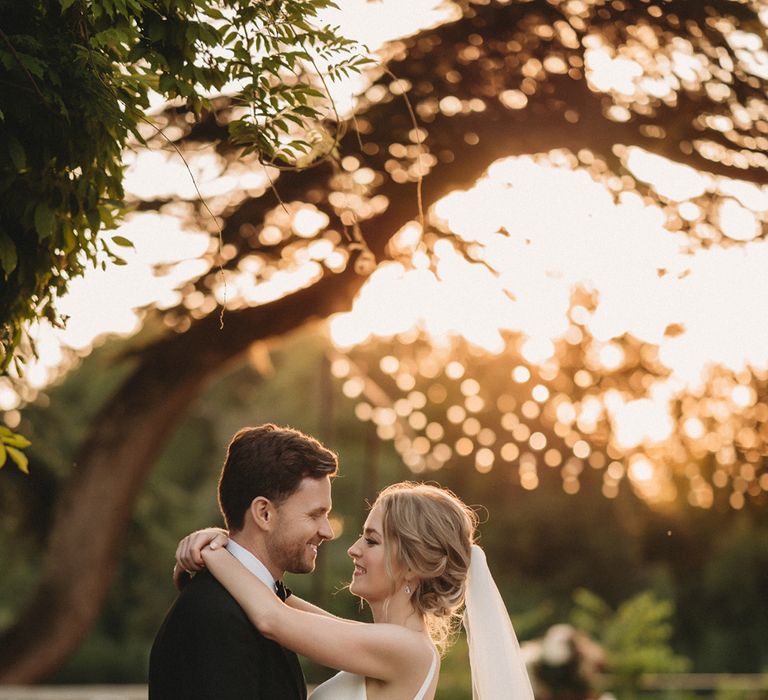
(308, 112)
(65, 4)
(94, 220)
(8, 257)
(3, 455)
(33, 65)
(22, 462)
(16, 440)
(43, 220)
(122, 241)
(18, 156)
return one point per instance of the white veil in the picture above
(498, 669)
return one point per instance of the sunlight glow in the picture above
(646, 284)
(113, 297)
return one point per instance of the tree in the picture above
(504, 79)
(77, 77)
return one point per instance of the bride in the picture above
(416, 565)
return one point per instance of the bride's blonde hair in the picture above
(429, 530)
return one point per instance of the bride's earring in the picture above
(408, 589)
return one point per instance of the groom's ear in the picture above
(262, 511)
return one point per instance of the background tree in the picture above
(503, 79)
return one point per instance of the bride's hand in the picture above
(188, 553)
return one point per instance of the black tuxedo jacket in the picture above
(207, 649)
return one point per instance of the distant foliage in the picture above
(567, 662)
(76, 76)
(635, 637)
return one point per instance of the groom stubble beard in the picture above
(290, 556)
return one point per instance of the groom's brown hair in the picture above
(268, 461)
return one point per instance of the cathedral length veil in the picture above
(498, 669)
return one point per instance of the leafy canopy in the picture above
(76, 78)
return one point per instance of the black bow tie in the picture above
(282, 590)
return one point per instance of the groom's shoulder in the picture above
(205, 596)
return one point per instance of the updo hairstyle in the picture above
(430, 531)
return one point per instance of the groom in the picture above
(275, 495)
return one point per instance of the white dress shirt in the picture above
(251, 562)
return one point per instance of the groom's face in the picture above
(301, 526)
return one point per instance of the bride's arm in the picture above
(188, 553)
(189, 559)
(300, 604)
(380, 651)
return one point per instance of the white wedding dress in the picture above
(349, 686)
